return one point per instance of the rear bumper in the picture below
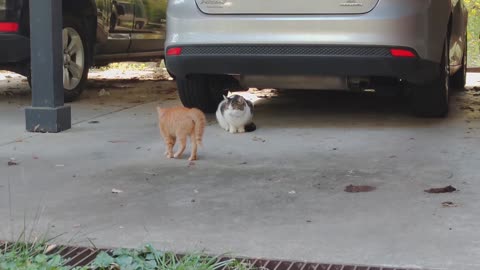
(299, 60)
(14, 48)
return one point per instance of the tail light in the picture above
(174, 51)
(402, 53)
(8, 27)
(9, 16)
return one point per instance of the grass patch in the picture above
(35, 256)
(43, 255)
(150, 258)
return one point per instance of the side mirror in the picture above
(120, 10)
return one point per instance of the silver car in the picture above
(218, 45)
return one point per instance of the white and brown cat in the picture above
(235, 114)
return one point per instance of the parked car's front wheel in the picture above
(75, 58)
(203, 92)
(431, 99)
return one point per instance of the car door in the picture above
(148, 34)
(115, 23)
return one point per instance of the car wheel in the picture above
(75, 58)
(459, 79)
(431, 99)
(203, 92)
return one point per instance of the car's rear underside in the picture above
(306, 44)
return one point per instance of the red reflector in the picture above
(401, 53)
(174, 51)
(8, 27)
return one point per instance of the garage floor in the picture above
(275, 193)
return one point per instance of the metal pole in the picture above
(47, 113)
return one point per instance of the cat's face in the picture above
(237, 102)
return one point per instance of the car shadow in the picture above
(307, 109)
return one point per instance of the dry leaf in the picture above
(12, 163)
(116, 191)
(258, 139)
(447, 189)
(118, 141)
(448, 204)
(358, 189)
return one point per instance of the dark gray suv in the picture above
(94, 31)
(213, 45)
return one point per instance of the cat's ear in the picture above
(229, 93)
(225, 97)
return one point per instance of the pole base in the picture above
(51, 120)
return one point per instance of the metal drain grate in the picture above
(81, 256)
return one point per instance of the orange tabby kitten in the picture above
(179, 123)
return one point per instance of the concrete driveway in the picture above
(275, 193)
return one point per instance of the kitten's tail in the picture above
(200, 121)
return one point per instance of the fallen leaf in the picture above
(258, 139)
(448, 204)
(358, 189)
(103, 92)
(467, 108)
(191, 164)
(118, 141)
(93, 122)
(36, 128)
(34, 157)
(447, 189)
(12, 163)
(116, 191)
(50, 247)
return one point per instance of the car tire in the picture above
(76, 58)
(431, 99)
(203, 92)
(459, 79)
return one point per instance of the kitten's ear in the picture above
(229, 93)
(225, 98)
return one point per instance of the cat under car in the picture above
(235, 114)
